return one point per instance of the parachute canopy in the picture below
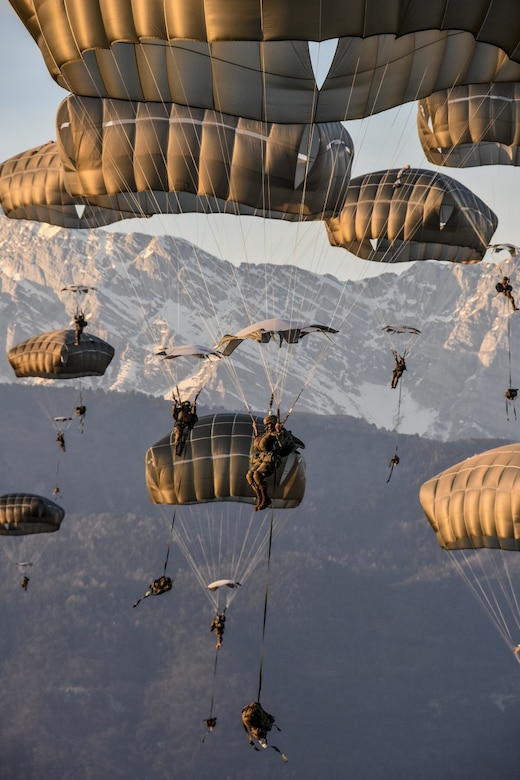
(149, 158)
(32, 187)
(401, 329)
(27, 513)
(54, 355)
(429, 216)
(214, 464)
(264, 331)
(252, 59)
(188, 350)
(473, 125)
(476, 503)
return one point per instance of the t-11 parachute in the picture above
(148, 158)
(252, 59)
(472, 125)
(412, 214)
(55, 355)
(26, 513)
(475, 505)
(214, 466)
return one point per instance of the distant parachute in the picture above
(430, 216)
(473, 125)
(32, 187)
(252, 59)
(54, 355)
(188, 350)
(263, 332)
(149, 158)
(214, 466)
(475, 506)
(26, 513)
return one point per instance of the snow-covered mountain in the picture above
(153, 292)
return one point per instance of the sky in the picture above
(30, 98)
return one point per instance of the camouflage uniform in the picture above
(185, 415)
(265, 460)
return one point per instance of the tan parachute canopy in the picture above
(214, 466)
(148, 158)
(251, 59)
(32, 187)
(285, 330)
(412, 214)
(27, 513)
(473, 125)
(476, 503)
(54, 355)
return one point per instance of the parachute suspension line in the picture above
(266, 598)
(211, 720)
(487, 597)
(169, 543)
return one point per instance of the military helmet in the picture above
(270, 419)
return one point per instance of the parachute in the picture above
(220, 536)
(26, 520)
(252, 59)
(475, 505)
(27, 513)
(188, 350)
(148, 158)
(32, 187)
(430, 216)
(466, 126)
(54, 355)
(262, 332)
(214, 466)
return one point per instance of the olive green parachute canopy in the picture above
(54, 355)
(32, 187)
(149, 158)
(214, 464)
(285, 330)
(476, 503)
(26, 513)
(251, 58)
(473, 125)
(395, 216)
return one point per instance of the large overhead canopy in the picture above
(148, 158)
(251, 58)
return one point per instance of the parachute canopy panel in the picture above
(54, 355)
(26, 513)
(214, 464)
(476, 503)
(252, 59)
(395, 216)
(149, 158)
(473, 125)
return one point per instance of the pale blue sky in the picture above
(30, 99)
